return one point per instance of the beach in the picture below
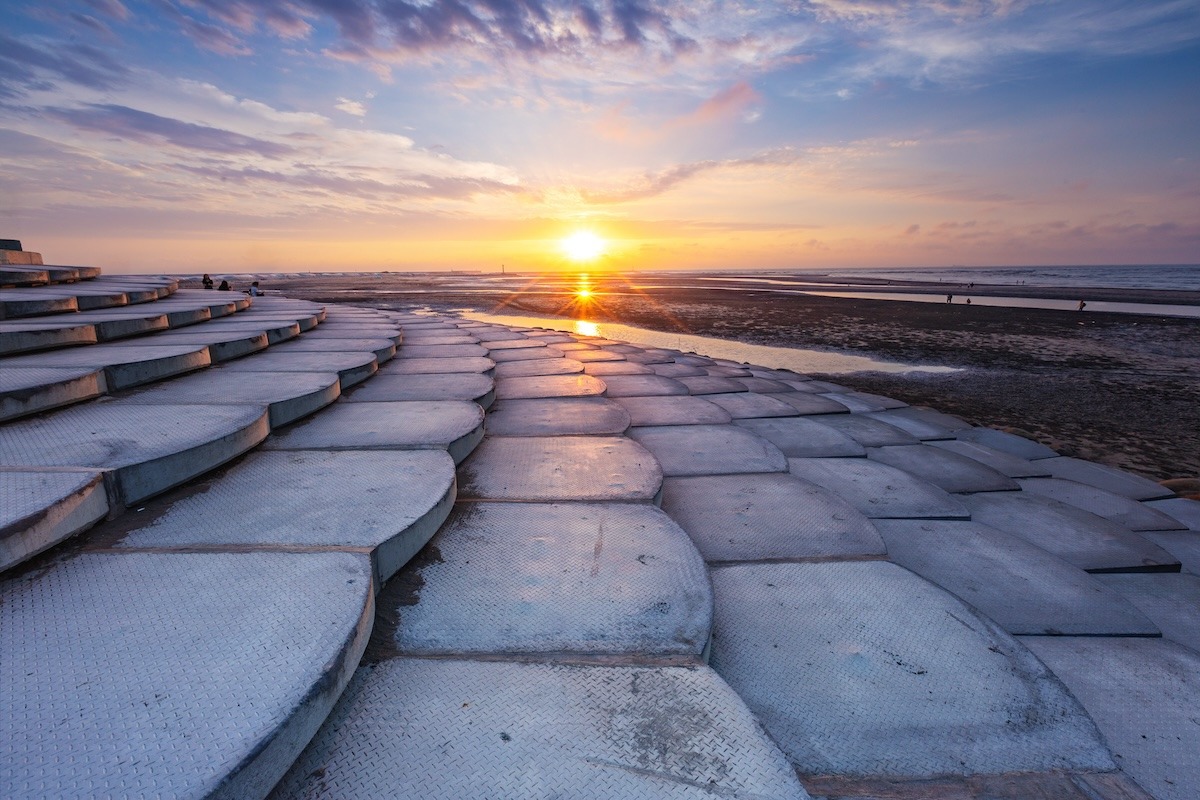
(1119, 389)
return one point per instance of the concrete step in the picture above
(84, 296)
(288, 396)
(41, 507)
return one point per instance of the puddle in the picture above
(795, 359)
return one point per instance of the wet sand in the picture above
(1118, 389)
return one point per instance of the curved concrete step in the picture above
(943, 468)
(471, 386)
(40, 508)
(288, 396)
(878, 490)
(28, 390)
(536, 468)
(382, 348)
(352, 367)
(709, 450)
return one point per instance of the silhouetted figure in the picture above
(254, 291)
(206, 281)
(224, 287)
(968, 301)
(1082, 305)
(949, 298)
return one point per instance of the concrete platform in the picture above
(943, 468)
(559, 416)
(142, 449)
(676, 370)
(441, 351)
(672, 410)
(514, 730)
(435, 366)
(382, 348)
(215, 699)
(124, 367)
(224, 345)
(1182, 545)
(807, 403)
(514, 343)
(1137, 516)
(410, 494)
(455, 426)
(1007, 442)
(40, 508)
(18, 338)
(598, 355)
(878, 490)
(525, 354)
(804, 438)
(767, 517)
(276, 331)
(288, 396)
(606, 368)
(1107, 478)
(709, 450)
(1171, 601)
(541, 366)
(879, 671)
(923, 426)
(1023, 588)
(763, 385)
(30, 390)
(542, 386)
(600, 578)
(750, 405)
(473, 386)
(1143, 701)
(642, 386)
(867, 431)
(438, 338)
(582, 468)
(1085, 540)
(351, 368)
(708, 384)
(1186, 511)
(1002, 462)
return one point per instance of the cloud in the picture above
(352, 107)
(652, 184)
(112, 8)
(34, 64)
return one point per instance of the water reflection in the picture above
(1156, 309)
(795, 359)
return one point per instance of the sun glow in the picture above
(582, 246)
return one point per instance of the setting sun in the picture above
(583, 246)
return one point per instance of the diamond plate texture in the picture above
(549, 578)
(673, 410)
(642, 385)
(1135, 515)
(548, 386)
(867, 431)
(162, 675)
(748, 405)
(809, 403)
(560, 468)
(878, 490)
(864, 668)
(507, 731)
(39, 509)
(942, 468)
(289, 396)
(804, 438)
(1108, 478)
(541, 366)
(562, 416)
(1002, 462)
(471, 386)
(709, 449)
(433, 366)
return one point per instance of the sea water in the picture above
(1180, 277)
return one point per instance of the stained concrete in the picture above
(866, 431)
(1004, 463)
(1120, 509)
(1108, 478)
(942, 468)
(40, 508)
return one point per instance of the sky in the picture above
(298, 135)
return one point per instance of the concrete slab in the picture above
(763, 385)
(591, 356)
(1085, 540)
(1118, 508)
(143, 449)
(570, 344)
(708, 384)
(672, 410)
(521, 343)
(288, 396)
(808, 403)
(595, 578)
(676, 370)
(536, 386)
(410, 495)
(605, 368)
(767, 517)
(1170, 600)
(1023, 588)
(540, 730)
(29, 390)
(183, 675)
(276, 331)
(541, 366)
(750, 405)
(1181, 508)
(878, 670)
(222, 345)
(473, 386)
(16, 339)
(441, 351)
(579, 468)
(650, 357)
(429, 339)
(867, 431)
(455, 426)
(434, 366)
(878, 490)
(943, 469)
(1144, 701)
(566, 416)
(804, 438)
(709, 450)
(1002, 462)
(351, 368)
(124, 367)
(642, 386)
(40, 508)
(1182, 545)
(1108, 478)
(525, 354)
(382, 348)
(1007, 442)
(920, 427)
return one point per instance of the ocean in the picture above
(1182, 277)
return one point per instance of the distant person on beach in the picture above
(206, 281)
(254, 291)
(224, 287)
(968, 301)
(949, 298)
(1082, 305)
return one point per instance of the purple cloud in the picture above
(24, 65)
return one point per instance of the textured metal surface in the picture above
(540, 366)
(560, 468)
(642, 386)
(1108, 478)
(433, 366)
(1004, 463)
(1120, 509)
(557, 416)
(548, 386)
(1171, 601)
(144, 675)
(709, 449)
(808, 403)
(507, 731)
(1085, 540)
(452, 425)
(39, 508)
(804, 438)
(878, 490)
(764, 517)
(673, 410)
(864, 668)
(1144, 701)
(151, 448)
(943, 469)
(1023, 588)
(543, 578)
(750, 405)
(472, 386)
(604, 368)
(1006, 442)
(854, 403)
(288, 395)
